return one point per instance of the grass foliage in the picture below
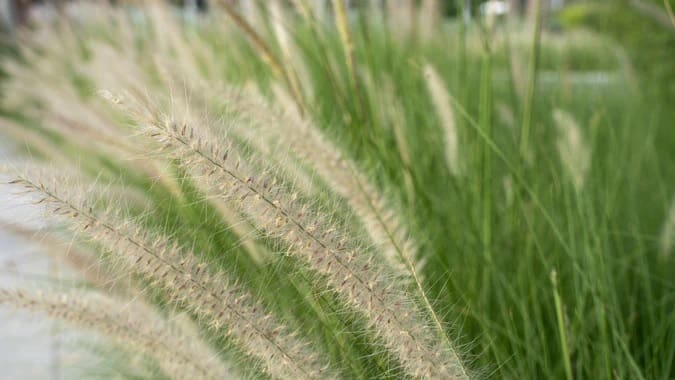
(374, 195)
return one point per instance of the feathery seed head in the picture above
(443, 106)
(574, 152)
(185, 279)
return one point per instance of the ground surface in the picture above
(31, 346)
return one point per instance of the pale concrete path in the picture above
(31, 345)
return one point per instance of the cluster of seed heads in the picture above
(348, 268)
(220, 303)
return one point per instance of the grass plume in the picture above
(574, 153)
(188, 282)
(132, 326)
(348, 267)
(443, 107)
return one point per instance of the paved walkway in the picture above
(31, 346)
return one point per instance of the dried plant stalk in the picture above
(266, 52)
(345, 36)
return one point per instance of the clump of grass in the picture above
(327, 200)
(281, 214)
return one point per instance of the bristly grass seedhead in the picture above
(279, 213)
(132, 325)
(386, 229)
(667, 239)
(443, 107)
(187, 282)
(575, 154)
